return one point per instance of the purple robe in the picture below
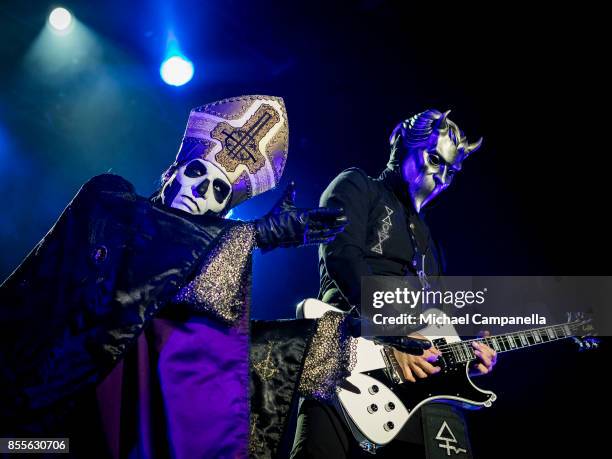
(184, 390)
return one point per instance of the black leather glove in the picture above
(287, 226)
(405, 344)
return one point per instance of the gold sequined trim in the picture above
(331, 357)
(221, 286)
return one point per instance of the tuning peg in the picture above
(586, 342)
(578, 343)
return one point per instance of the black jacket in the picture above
(376, 240)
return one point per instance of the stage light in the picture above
(176, 71)
(60, 19)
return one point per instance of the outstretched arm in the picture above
(287, 226)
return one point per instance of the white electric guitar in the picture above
(374, 399)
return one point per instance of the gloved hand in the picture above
(406, 344)
(287, 226)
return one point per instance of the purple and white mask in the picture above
(429, 150)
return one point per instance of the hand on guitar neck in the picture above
(487, 357)
(422, 366)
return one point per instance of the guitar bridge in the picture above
(392, 368)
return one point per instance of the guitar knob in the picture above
(389, 426)
(372, 408)
(373, 390)
(390, 406)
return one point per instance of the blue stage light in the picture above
(60, 19)
(176, 70)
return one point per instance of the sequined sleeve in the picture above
(221, 287)
(330, 357)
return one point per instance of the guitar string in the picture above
(514, 334)
(461, 351)
(503, 346)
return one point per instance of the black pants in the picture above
(321, 433)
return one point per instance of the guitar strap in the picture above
(445, 433)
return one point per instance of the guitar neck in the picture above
(463, 351)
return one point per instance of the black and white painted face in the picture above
(429, 171)
(198, 187)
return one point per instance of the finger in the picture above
(427, 367)
(482, 369)
(430, 356)
(321, 225)
(486, 350)
(402, 360)
(484, 358)
(319, 236)
(417, 371)
(408, 374)
(322, 233)
(328, 215)
(484, 333)
(287, 202)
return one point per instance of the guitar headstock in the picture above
(585, 335)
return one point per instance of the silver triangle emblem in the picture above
(384, 230)
(446, 435)
(377, 248)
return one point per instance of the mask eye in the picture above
(434, 159)
(220, 190)
(195, 169)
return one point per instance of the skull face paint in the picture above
(198, 187)
(242, 144)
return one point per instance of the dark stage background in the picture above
(533, 200)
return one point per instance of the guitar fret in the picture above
(524, 340)
(455, 357)
(470, 351)
(462, 352)
(536, 336)
(530, 338)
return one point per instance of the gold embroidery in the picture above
(221, 286)
(330, 358)
(241, 144)
(254, 445)
(265, 368)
